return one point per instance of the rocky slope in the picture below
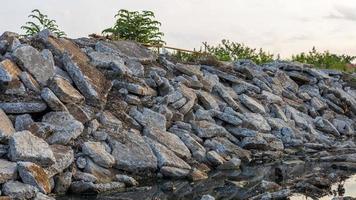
(88, 115)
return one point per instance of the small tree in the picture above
(41, 22)
(137, 26)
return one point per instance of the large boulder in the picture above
(8, 171)
(23, 146)
(37, 64)
(34, 175)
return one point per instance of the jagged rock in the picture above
(41, 196)
(8, 171)
(252, 104)
(221, 90)
(96, 151)
(326, 126)
(128, 180)
(103, 175)
(174, 172)
(52, 100)
(26, 147)
(171, 141)
(108, 61)
(225, 148)
(9, 71)
(36, 63)
(29, 82)
(205, 129)
(214, 158)
(271, 98)
(149, 118)
(34, 175)
(80, 187)
(107, 119)
(66, 127)
(207, 197)
(133, 154)
(166, 157)
(18, 190)
(233, 164)
(64, 156)
(189, 70)
(62, 182)
(65, 91)
(207, 100)
(6, 127)
(82, 176)
(256, 122)
(23, 122)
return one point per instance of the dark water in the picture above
(298, 180)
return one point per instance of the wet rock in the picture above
(18, 190)
(62, 183)
(8, 171)
(37, 64)
(34, 175)
(225, 148)
(252, 104)
(129, 181)
(66, 127)
(26, 147)
(65, 91)
(96, 151)
(6, 127)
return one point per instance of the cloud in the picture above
(343, 13)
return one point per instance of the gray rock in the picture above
(128, 180)
(23, 107)
(256, 122)
(22, 122)
(41, 196)
(81, 162)
(233, 164)
(64, 158)
(9, 71)
(66, 127)
(65, 91)
(107, 119)
(18, 190)
(171, 141)
(252, 104)
(8, 171)
(222, 91)
(26, 147)
(96, 151)
(271, 98)
(189, 70)
(165, 156)
(244, 87)
(133, 154)
(34, 175)
(62, 182)
(82, 176)
(205, 129)
(52, 100)
(149, 118)
(108, 61)
(30, 82)
(326, 126)
(214, 158)
(6, 127)
(33, 61)
(225, 148)
(103, 175)
(207, 197)
(80, 187)
(174, 172)
(207, 100)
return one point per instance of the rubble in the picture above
(93, 115)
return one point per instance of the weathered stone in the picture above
(6, 127)
(23, 122)
(109, 61)
(149, 118)
(205, 129)
(221, 90)
(82, 176)
(91, 82)
(8, 171)
(18, 190)
(23, 107)
(174, 172)
(34, 175)
(52, 100)
(243, 87)
(133, 154)
(34, 62)
(207, 100)
(128, 180)
(189, 70)
(233, 164)
(96, 151)
(325, 125)
(65, 91)
(80, 187)
(252, 104)
(171, 141)
(41, 196)
(256, 122)
(166, 157)
(64, 156)
(9, 71)
(107, 119)
(30, 82)
(207, 197)
(103, 175)
(26, 147)
(66, 127)
(225, 148)
(62, 183)
(214, 158)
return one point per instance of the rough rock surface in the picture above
(87, 111)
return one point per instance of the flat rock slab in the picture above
(34, 175)
(97, 152)
(133, 154)
(18, 190)
(34, 62)
(8, 171)
(23, 107)
(205, 129)
(9, 71)
(26, 147)
(65, 91)
(64, 156)
(6, 127)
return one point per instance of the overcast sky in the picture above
(280, 26)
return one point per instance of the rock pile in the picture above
(90, 115)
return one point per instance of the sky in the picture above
(279, 26)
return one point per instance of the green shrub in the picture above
(231, 51)
(137, 26)
(41, 22)
(325, 60)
